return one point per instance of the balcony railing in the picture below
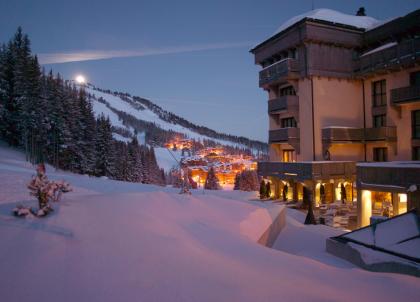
(279, 71)
(301, 171)
(342, 134)
(282, 103)
(283, 135)
(358, 135)
(388, 58)
(405, 95)
(381, 134)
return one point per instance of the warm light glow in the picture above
(80, 79)
(366, 210)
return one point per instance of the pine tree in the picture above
(263, 190)
(268, 189)
(212, 183)
(236, 185)
(104, 148)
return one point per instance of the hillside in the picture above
(155, 125)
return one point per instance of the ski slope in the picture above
(145, 115)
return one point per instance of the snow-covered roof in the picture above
(325, 14)
(329, 15)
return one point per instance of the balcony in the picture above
(285, 135)
(302, 171)
(404, 53)
(381, 134)
(279, 72)
(339, 135)
(342, 135)
(405, 95)
(283, 103)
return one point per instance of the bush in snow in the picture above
(45, 191)
(212, 183)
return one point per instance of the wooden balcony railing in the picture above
(404, 95)
(283, 135)
(388, 58)
(279, 71)
(307, 170)
(282, 103)
(358, 135)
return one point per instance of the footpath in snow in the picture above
(116, 241)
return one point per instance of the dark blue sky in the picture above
(192, 56)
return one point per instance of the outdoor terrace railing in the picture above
(281, 69)
(282, 103)
(283, 135)
(405, 95)
(404, 52)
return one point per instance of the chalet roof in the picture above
(327, 16)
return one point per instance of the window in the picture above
(379, 93)
(415, 78)
(289, 122)
(415, 122)
(289, 156)
(289, 90)
(380, 154)
(379, 120)
(416, 153)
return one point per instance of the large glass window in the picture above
(289, 156)
(289, 122)
(415, 121)
(380, 154)
(379, 93)
(379, 120)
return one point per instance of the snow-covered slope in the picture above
(143, 113)
(116, 241)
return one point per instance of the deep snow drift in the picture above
(116, 241)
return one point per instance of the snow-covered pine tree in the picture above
(134, 165)
(236, 185)
(87, 124)
(212, 182)
(105, 156)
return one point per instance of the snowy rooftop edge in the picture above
(328, 15)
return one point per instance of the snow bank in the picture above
(116, 241)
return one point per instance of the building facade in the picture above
(341, 90)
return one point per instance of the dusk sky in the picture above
(190, 57)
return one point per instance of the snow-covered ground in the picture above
(116, 241)
(146, 115)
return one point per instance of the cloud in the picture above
(90, 55)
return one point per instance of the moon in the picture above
(80, 79)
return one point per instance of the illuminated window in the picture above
(289, 156)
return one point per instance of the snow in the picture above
(146, 115)
(382, 47)
(324, 14)
(399, 234)
(116, 241)
(167, 159)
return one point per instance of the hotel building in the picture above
(344, 97)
